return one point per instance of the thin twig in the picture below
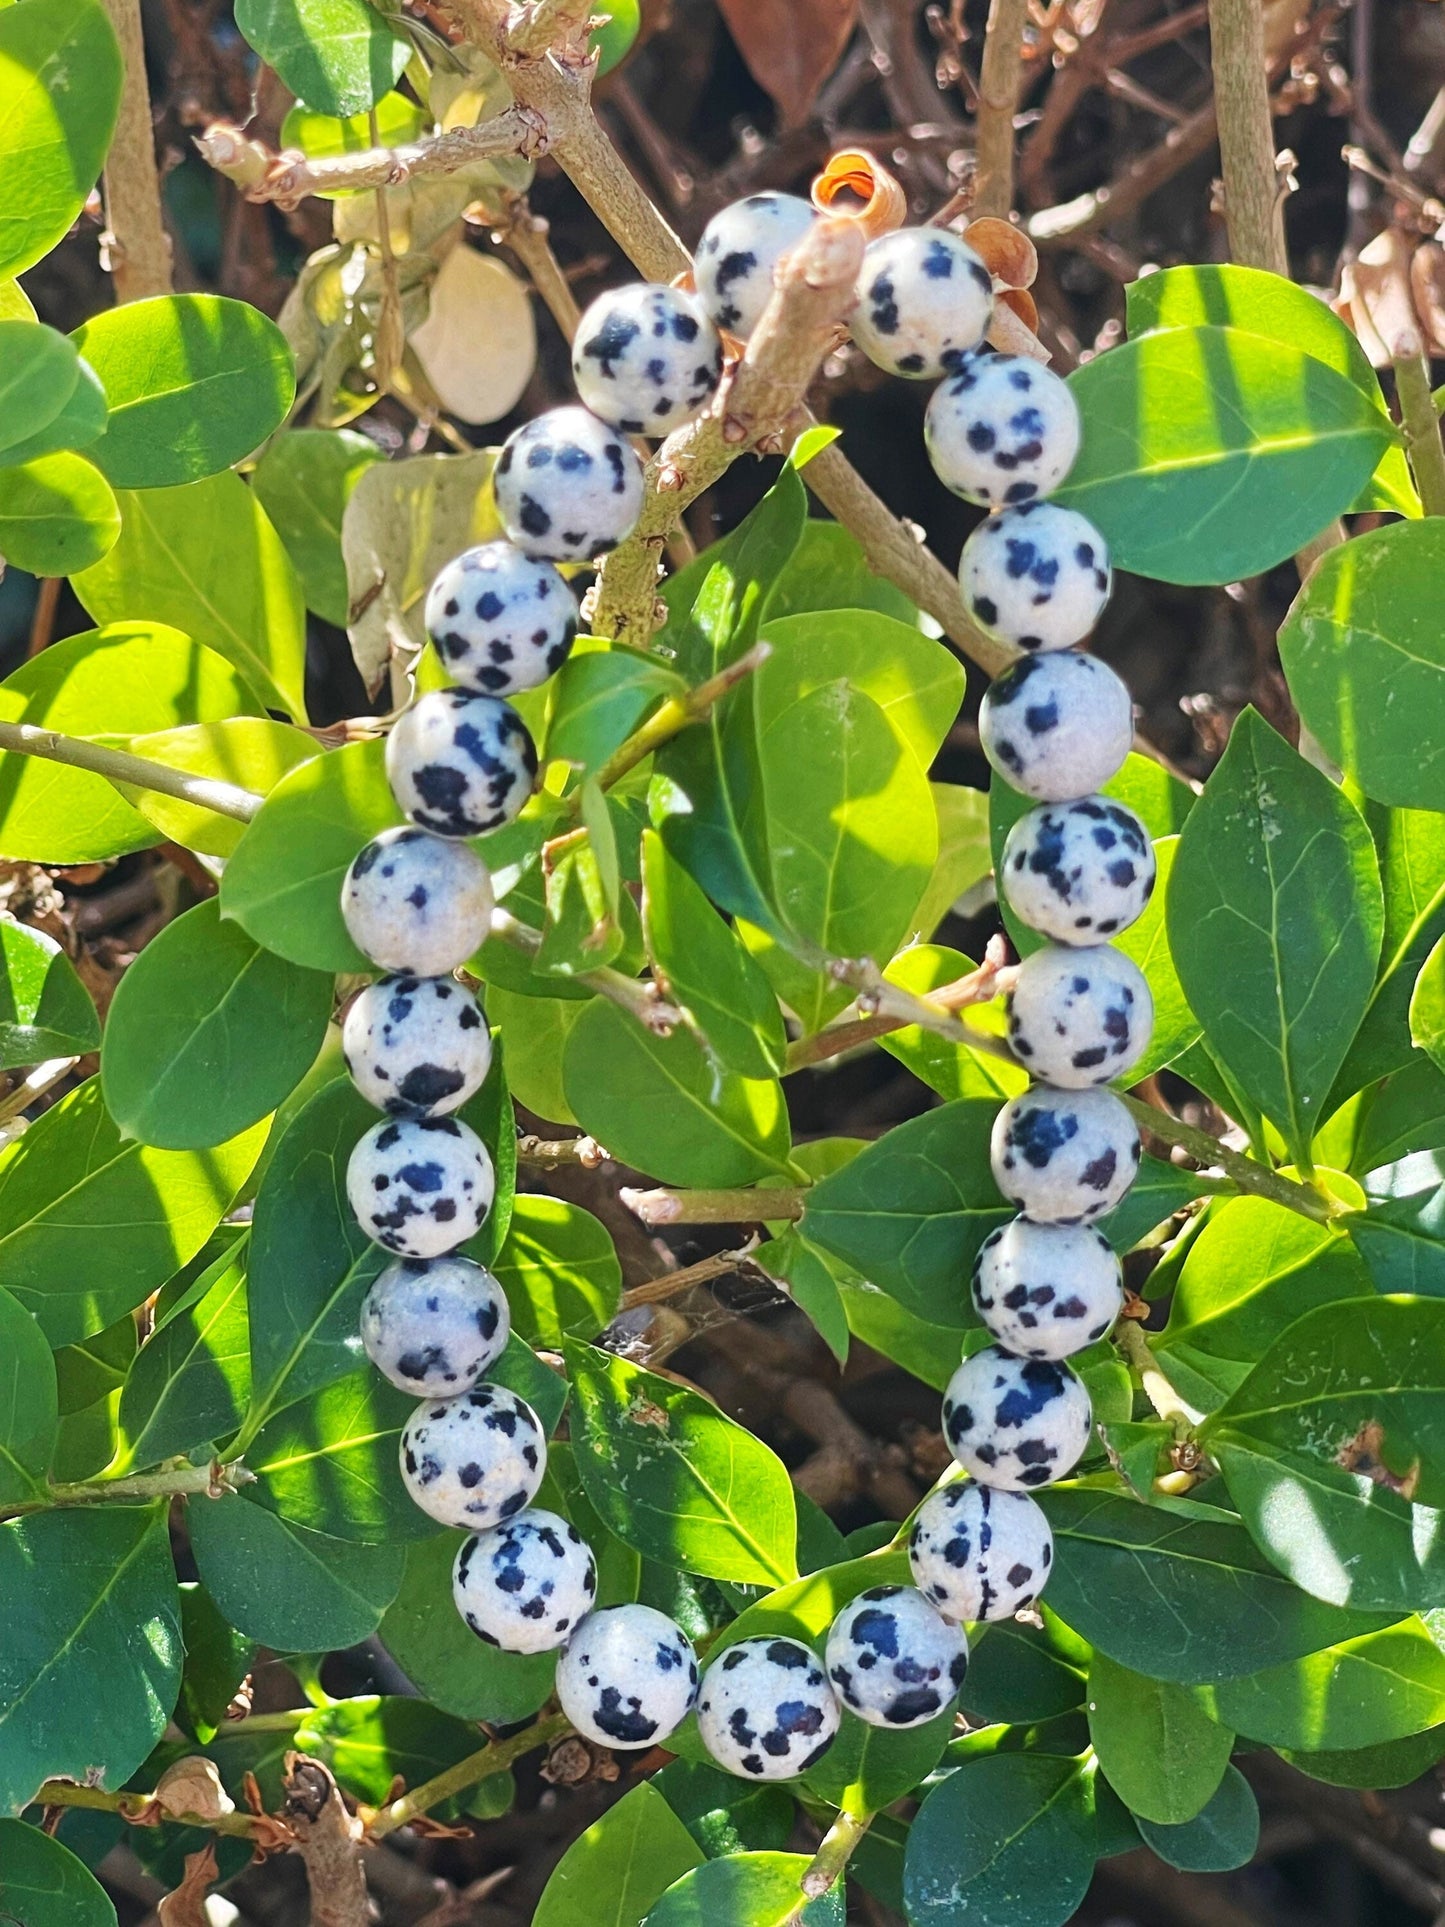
(662, 1206)
(640, 999)
(1253, 205)
(34, 1085)
(979, 986)
(655, 1290)
(1153, 1381)
(833, 1855)
(214, 1481)
(525, 233)
(679, 713)
(137, 247)
(476, 1767)
(1420, 423)
(998, 97)
(1241, 1171)
(551, 1152)
(119, 766)
(133, 1806)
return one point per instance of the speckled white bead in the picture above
(501, 620)
(766, 1710)
(924, 302)
(1078, 871)
(568, 487)
(475, 1460)
(432, 1328)
(1064, 1157)
(416, 1046)
(420, 1186)
(1046, 1290)
(646, 358)
(1079, 1016)
(460, 764)
(1002, 430)
(1013, 1422)
(415, 902)
(738, 252)
(1056, 726)
(892, 1659)
(1037, 576)
(526, 1585)
(628, 1677)
(980, 1553)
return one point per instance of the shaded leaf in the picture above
(45, 1010)
(288, 1588)
(625, 1861)
(60, 85)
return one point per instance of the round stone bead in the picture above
(1079, 1016)
(1037, 575)
(1056, 726)
(1013, 1422)
(628, 1677)
(978, 1552)
(1078, 871)
(892, 1659)
(475, 1460)
(568, 487)
(1002, 430)
(501, 620)
(414, 902)
(646, 358)
(925, 300)
(460, 764)
(420, 1186)
(524, 1586)
(1046, 1290)
(432, 1328)
(416, 1046)
(766, 1711)
(1064, 1157)
(738, 253)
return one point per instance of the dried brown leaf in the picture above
(790, 54)
(881, 203)
(186, 1907)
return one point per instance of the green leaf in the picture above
(808, 1279)
(1392, 1764)
(1406, 1115)
(193, 382)
(716, 603)
(1180, 1587)
(371, 1741)
(828, 570)
(926, 1350)
(1159, 1749)
(1213, 454)
(91, 1662)
(807, 1607)
(42, 1884)
(1027, 1673)
(1411, 849)
(676, 1479)
(580, 931)
(536, 1030)
(1006, 1841)
(57, 515)
(916, 681)
(338, 56)
(867, 1768)
(963, 853)
(442, 1656)
(251, 752)
(559, 1269)
(329, 1463)
(625, 1861)
(39, 372)
(325, 137)
(60, 84)
(45, 1010)
(79, 422)
(29, 1404)
(1427, 1006)
(1401, 1236)
(1383, 1686)
(1277, 872)
(72, 1186)
(208, 1033)
(600, 697)
(218, 1658)
(205, 558)
(722, 1814)
(292, 1590)
(1223, 1836)
(953, 1070)
(1147, 942)
(747, 1890)
(303, 482)
(655, 1104)
(190, 1382)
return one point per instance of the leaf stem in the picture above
(663, 1206)
(138, 1806)
(1138, 1354)
(674, 716)
(119, 766)
(1421, 424)
(495, 1757)
(1240, 1170)
(639, 998)
(213, 1480)
(833, 1855)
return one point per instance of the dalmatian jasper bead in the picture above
(420, 1186)
(628, 1678)
(1016, 1422)
(738, 253)
(501, 620)
(432, 1329)
(1078, 871)
(978, 1552)
(460, 764)
(525, 1585)
(475, 1460)
(1046, 1290)
(893, 1660)
(416, 1046)
(1064, 1157)
(1037, 576)
(1079, 1017)
(1001, 431)
(568, 487)
(646, 358)
(766, 1711)
(925, 300)
(416, 903)
(1056, 726)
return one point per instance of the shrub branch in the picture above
(119, 766)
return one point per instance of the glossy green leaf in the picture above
(339, 56)
(674, 1477)
(329, 1463)
(953, 1070)
(1002, 1842)
(1277, 872)
(867, 1768)
(1224, 1835)
(218, 1658)
(290, 1589)
(1392, 1764)
(808, 1279)
(29, 1404)
(57, 515)
(1147, 942)
(963, 853)
(373, 1740)
(442, 1656)
(722, 1814)
(91, 1662)
(1384, 1686)
(924, 1349)
(599, 698)
(807, 1607)
(1213, 454)
(536, 1030)
(190, 1382)
(1411, 849)
(1427, 1006)
(43, 1884)
(747, 1890)
(194, 382)
(45, 1010)
(580, 930)
(625, 1861)
(205, 558)
(715, 604)
(60, 84)
(1021, 1673)
(78, 423)
(72, 1185)
(1404, 1116)
(559, 1269)
(249, 752)
(828, 570)
(303, 482)
(1401, 1236)
(1158, 1747)
(916, 681)
(39, 372)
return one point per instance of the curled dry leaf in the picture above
(881, 203)
(790, 65)
(186, 1907)
(478, 344)
(193, 1786)
(1005, 250)
(1376, 298)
